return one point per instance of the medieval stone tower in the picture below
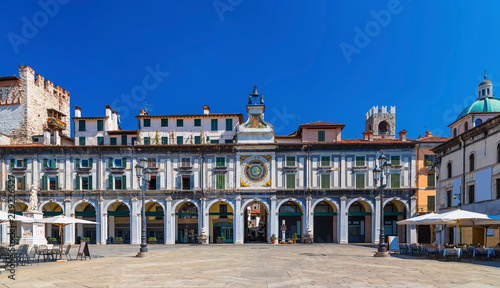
(381, 121)
(30, 107)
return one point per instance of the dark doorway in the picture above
(291, 213)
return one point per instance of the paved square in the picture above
(318, 265)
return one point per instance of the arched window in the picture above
(488, 92)
(455, 132)
(471, 162)
(369, 127)
(478, 122)
(484, 91)
(466, 126)
(449, 170)
(383, 127)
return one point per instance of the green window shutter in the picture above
(325, 181)
(124, 162)
(395, 160)
(191, 182)
(229, 141)
(25, 162)
(77, 163)
(229, 124)
(197, 140)
(133, 141)
(81, 125)
(124, 182)
(24, 183)
(124, 139)
(220, 162)
(360, 181)
(110, 182)
(53, 163)
(431, 180)
(290, 181)
(57, 182)
(44, 182)
(77, 182)
(147, 122)
(180, 122)
(180, 140)
(112, 141)
(81, 141)
(215, 124)
(164, 140)
(146, 141)
(290, 161)
(91, 164)
(214, 141)
(164, 122)
(325, 161)
(158, 182)
(395, 180)
(197, 122)
(221, 182)
(90, 183)
(45, 163)
(178, 182)
(321, 136)
(12, 163)
(360, 161)
(100, 125)
(431, 203)
(100, 140)
(110, 163)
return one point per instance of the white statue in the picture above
(33, 199)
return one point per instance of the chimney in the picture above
(369, 135)
(114, 119)
(365, 136)
(428, 133)
(108, 111)
(46, 138)
(141, 112)
(78, 112)
(206, 110)
(402, 135)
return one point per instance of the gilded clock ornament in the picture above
(255, 171)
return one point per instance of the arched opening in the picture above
(221, 222)
(52, 209)
(256, 219)
(448, 170)
(466, 126)
(85, 211)
(119, 223)
(454, 132)
(471, 162)
(155, 222)
(325, 223)
(478, 122)
(187, 223)
(290, 213)
(394, 211)
(359, 223)
(383, 127)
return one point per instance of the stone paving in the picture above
(317, 265)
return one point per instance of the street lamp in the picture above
(382, 174)
(143, 173)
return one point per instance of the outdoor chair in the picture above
(43, 251)
(22, 255)
(32, 255)
(66, 252)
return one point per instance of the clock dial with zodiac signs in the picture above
(255, 171)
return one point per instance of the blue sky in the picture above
(424, 57)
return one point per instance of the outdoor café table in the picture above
(484, 251)
(452, 251)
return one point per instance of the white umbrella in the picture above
(61, 221)
(4, 217)
(418, 220)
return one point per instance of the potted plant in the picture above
(428, 163)
(290, 241)
(273, 239)
(16, 240)
(282, 242)
(294, 238)
(51, 240)
(221, 240)
(118, 240)
(152, 240)
(85, 239)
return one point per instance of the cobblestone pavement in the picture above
(318, 265)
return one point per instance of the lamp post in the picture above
(383, 175)
(143, 174)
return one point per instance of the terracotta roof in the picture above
(433, 139)
(375, 141)
(239, 115)
(6, 78)
(319, 123)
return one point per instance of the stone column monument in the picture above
(33, 232)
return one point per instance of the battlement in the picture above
(27, 75)
(381, 110)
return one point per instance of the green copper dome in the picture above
(488, 104)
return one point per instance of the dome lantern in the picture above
(485, 88)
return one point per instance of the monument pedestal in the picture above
(32, 232)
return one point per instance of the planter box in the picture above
(220, 241)
(152, 242)
(118, 242)
(52, 242)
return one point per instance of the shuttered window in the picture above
(197, 140)
(290, 161)
(100, 125)
(431, 180)
(220, 181)
(180, 140)
(81, 141)
(124, 139)
(81, 125)
(360, 161)
(395, 180)
(100, 140)
(290, 181)
(147, 122)
(164, 122)
(325, 181)
(180, 122)
(220, 162)
(431, 203)
(112, 140)
(197, 122)
(164, 140)
(360, 181)
(215, 124)
(321, 136)
(229, 124)
(325, 161)
(147, 141)
(396, 160)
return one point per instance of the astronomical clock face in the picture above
(255, 171)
